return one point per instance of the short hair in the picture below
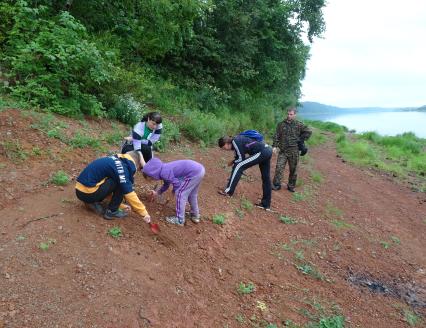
(136, 156)
(292, 109)
(224, 140)
(153, 116)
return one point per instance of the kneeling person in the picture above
(112, 175)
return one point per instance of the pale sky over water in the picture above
(373, 54)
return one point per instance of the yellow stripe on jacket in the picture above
(88, 190)
(136, 204)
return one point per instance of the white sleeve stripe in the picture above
(237, 151)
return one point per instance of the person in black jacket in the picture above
(259, 153)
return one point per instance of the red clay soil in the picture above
(353, 244)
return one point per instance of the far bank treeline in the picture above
(221, 59)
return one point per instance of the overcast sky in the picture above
(373, 54)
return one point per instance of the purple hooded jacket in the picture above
(174, 172)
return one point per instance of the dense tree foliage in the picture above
(71, 55)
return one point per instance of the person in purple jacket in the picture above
(185, 176)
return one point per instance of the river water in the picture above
(383, 122)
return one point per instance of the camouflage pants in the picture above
(292, 157)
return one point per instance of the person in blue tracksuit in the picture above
(258, 153)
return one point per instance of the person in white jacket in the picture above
(144, 135)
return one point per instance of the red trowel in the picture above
(155, 228)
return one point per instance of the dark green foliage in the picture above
(51, 62)
(227, 65)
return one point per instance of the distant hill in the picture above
(313, 110)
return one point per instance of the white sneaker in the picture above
(195, 218)
(175, 220)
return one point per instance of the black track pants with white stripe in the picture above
(263, 158)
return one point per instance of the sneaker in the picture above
(175, 220)
(276, 187)
(223, 193)
(291, 189)
(195, 218)
(95, 207)
(260, 205)
(111, 215)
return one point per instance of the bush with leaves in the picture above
(51, 63)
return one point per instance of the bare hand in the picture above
(275, 150)
(126, 208)
(152, 195)
(147, 218)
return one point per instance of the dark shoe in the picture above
(223, 193)
(111, 215)
(260, 205)
(291, 189)
(276, 187)
(95, 207)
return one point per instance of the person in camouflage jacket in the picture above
(290, 132)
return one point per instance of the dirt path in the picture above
(352, 233)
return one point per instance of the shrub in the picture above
(52, 63)
(128, 110)
(170, 134)
(202, 126)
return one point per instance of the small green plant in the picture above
(396, 240)
(332, 211)
(246, 289)
(240, 318)
(298, 255)
(36, 151)
(298, 196)
(317, 177)
(287, 220)
(219, 219)
(45, 246)
(115, 232)
(310, 270)
(336, 321)
(340, 224)
(246, 204)
(60, 178)
(411, 318)
(385, 244)
(81, 141)
(14, 150)
(20, 238)
(239, 213)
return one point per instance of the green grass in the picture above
(14, 150)
(402, 155)
(246, 288)
(327, 126)
(44, 246)
(287, 220)
(239, 213)
(298, 196)
(310, 270)
(332, 211)
(60, 178)
(316, 176)
(246, 204)
(411, 318)
(219, 219)
(340, 224)
(316, 139)
(115, 232)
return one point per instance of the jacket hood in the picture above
(153, 168)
